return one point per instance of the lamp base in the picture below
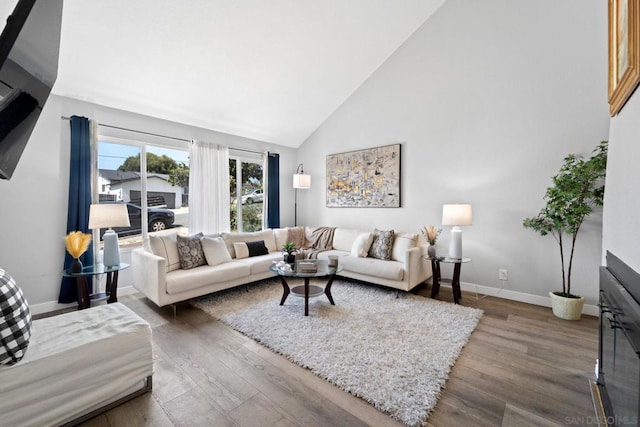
(455, 246)
(111, 252)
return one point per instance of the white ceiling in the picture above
(267, 70)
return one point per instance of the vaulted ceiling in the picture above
(272, 70)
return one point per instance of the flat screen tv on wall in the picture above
(29, 49)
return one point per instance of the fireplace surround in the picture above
(619, 343)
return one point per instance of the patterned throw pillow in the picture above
(190, 251)
(15, 321)
(382, 244)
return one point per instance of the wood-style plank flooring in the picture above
(521, 367)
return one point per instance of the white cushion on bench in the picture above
(76, 362)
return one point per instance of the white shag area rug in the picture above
(395, 353)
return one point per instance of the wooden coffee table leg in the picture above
(83, 292)
(285, 287)
(306, 296)
(455, 283)
(112, 287)
(327, 290)
(435, 269)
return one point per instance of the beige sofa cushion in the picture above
(266, 235)
(260, 264)
(166, 246)
(343, 238)
(280, 234)
(390, 270)
(184, 280)
(402, 242)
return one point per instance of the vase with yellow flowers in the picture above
(77, 243)
(431, 233)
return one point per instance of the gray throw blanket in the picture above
(321, 240)
(296, 235)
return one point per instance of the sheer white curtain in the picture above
(209, 197)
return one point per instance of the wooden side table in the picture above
(455, 281)
(111, 289)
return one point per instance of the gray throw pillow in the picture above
(190, 251)
(15, 321)
(382, 244)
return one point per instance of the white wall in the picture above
(621, 223)
(486, 98)
(34, 211)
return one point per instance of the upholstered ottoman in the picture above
(77, 365)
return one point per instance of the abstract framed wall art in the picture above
(624, 52)
(364, 179)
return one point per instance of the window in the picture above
(157, 200)
(246, 178)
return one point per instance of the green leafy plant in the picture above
(577, 189)
(289, 247)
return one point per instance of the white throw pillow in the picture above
(280, 235)
(166, 246)
(215, 250)
(241, 249)
(361, 245)
(402, 242)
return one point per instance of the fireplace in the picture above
(619, 352)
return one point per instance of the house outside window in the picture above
(157, 200)
(246, 178)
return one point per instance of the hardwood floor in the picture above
(521, 367)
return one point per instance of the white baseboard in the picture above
(47, 307)
(588, 309)
(591, 310)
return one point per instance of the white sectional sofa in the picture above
(157, 273)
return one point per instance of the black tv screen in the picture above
(29, 50)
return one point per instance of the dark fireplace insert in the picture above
(619, 352)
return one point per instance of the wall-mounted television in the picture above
(29, 50)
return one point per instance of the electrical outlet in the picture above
(503, 274)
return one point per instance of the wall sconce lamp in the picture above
(301, 181)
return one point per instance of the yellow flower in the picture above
(77, 243)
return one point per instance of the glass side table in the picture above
(455, 281)
(111, 291)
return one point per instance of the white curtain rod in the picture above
(162, 136)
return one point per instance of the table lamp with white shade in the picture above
(109, 215)
(301, 181)
(456, 215)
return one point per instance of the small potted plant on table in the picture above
(577, 189)
(289, 248)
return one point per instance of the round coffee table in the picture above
(307, 291)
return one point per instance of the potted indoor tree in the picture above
(577, 189)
